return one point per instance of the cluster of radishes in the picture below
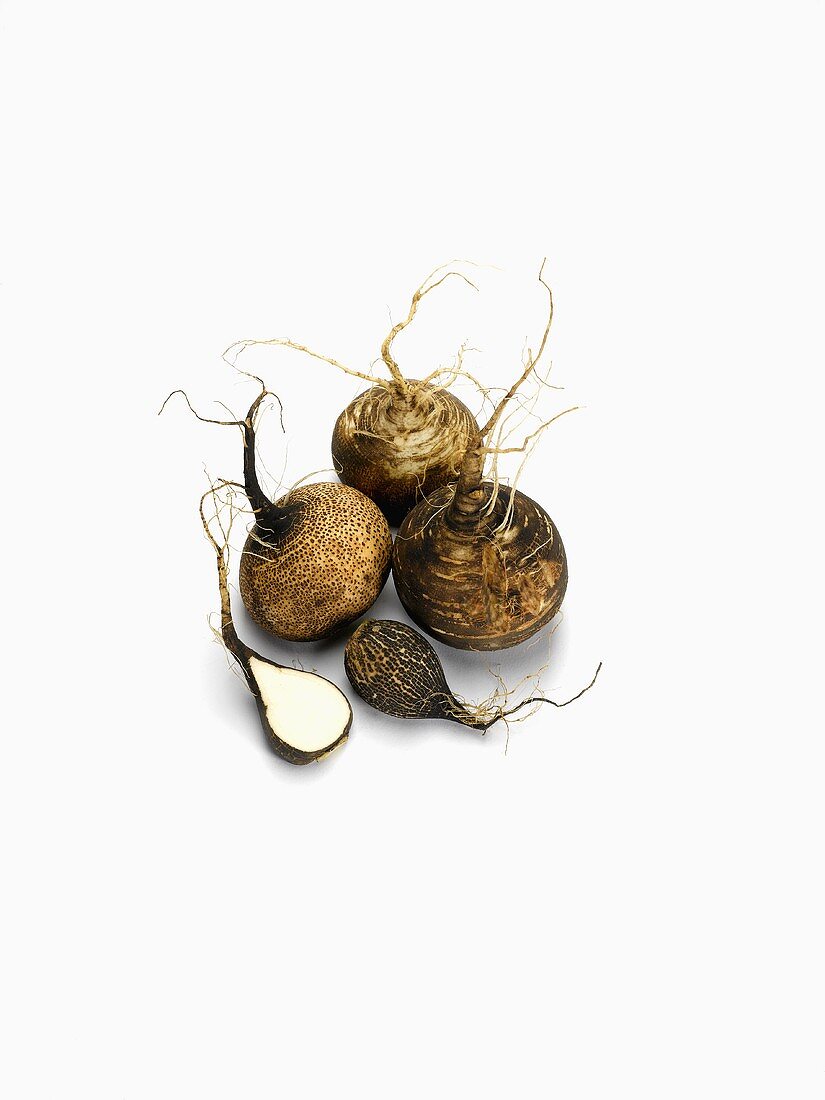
(476, 564)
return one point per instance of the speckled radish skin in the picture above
(399, 446)
(315, 561)
(395, 670)
(471, 586)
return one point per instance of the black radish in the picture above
(304, 716)
(397, 671)
(403, 438)
(480, 565)
(316, 559)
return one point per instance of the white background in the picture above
(628, 903)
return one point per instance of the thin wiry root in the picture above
(524, 445)
(504, 433)
(239, 423)
(494, 708)
(522, 409)
(364, 433)
(530, 367)
(524, 404)
(221, 547)
(490, 440)
(396, 380)
(417, 532)
(241, 345)
(277, 483)
(538, 699)
(444, 377)
(526, 448)
(423, 290)
(248, 428)
(304, 479)
(527, 451)
(231, 660)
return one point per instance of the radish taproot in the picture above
(480, 565)
(404, 437)
(316, 559)
(304, 716)
(397, 671)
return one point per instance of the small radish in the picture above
(397, 671)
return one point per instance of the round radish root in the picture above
(317, 558)
(398, 447)
(480, 565)
(404, 437)
(315, 561)
(473, 586)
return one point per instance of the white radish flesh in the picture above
(302, 709)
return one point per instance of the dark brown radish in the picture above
(403, 438)
(397, 671)
(399, 446)
(304, 716)
(480, 565)
(316, 559)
